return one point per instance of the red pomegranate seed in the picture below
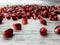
(8, 17)
(58, 7)
(50, 17)
(42, 21)
(55, 18)
(40, 17)
(8, 33)
(0, 22)
(45, 13)
(25, 21)
(1, 19)
(28, 15)
(14, 18)
(24, 16)
(57, 30)
(57, 11)
(19, 16)
(2, 15)
(17, 26)
(53, 14)
(34, 16)
(57, 26)
(43, 31)
(2, 10)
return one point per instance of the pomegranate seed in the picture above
(24, 16)
(14, 18)
(28, 15)
(58, 7)
(8, 17)
(8, 33)
(57, 12)
(42, 21)
(0, 22)
(19, 16)
(1, 18)
(57, 26)
(55, 18)
(57, 30)
(2, 15)
(17, 26)
(34, 16)
(43, 31)
(45, 13)
(50, 17)
(40, 17)
(53, 14)
(24, 21)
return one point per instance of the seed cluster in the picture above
(35, 11)
(26, 12)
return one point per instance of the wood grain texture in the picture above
(30, 35)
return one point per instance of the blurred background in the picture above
(23, 2)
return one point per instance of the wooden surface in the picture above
(30, 35)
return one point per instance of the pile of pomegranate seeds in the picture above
(29, 11)
(35, 11)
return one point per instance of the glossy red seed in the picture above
(28, 15)
(1, 19)
(8, 33)
(19, 16)
(40, 17)
(55, 18)
(2, 15)
(58, 7)
(24, 16)
(45, 13)
(17, 26)
(24, 21)
(14, 18)
(42, 21)
(57, 30)
(57, 11)
(57, 26)
(43, 31)
(53, 13)
(50, 17)
(8, 17)
(34, 16)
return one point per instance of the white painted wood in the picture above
(29, 35)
